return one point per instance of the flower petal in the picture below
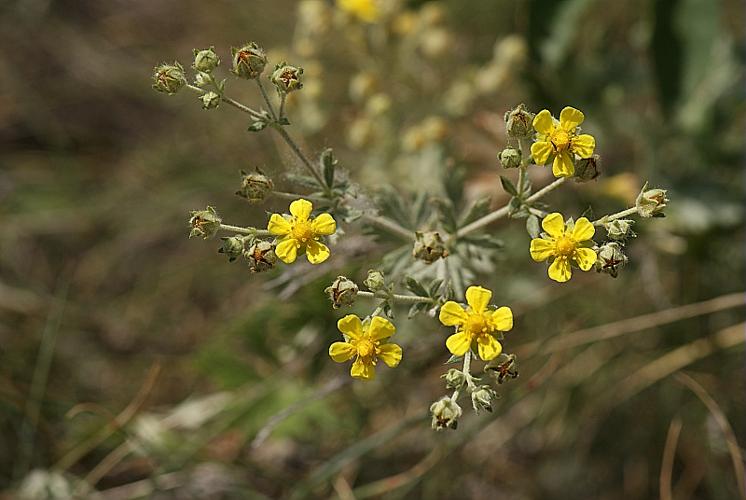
(583, 145)
(543, 122)
(560, 270)
(316, 252)
(502, 319)
(554, 225)
(363, 370)
(459, 343)
(571, 118)
(351, 326)
(478, 298)
(324, 225)
(541, 151)
(583, 230)
(584, 258)
(278, 225)
(341, 351)
(541, 249)
(563, 165)
(380, 328)
(452, 314)
(301, 209)
(287, 250)
(488, 347)
(390, 354)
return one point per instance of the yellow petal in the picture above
(488, 347)
(560, 270)
(543, 122)
(341, 351)
(351, 326)
(554, 225)
(583, 230)
(287, 250)
(363, 370)
(278, 225)
(452, 314)
(458, 343)
(584, 258)
(583, 145)
(390, 354)
(317, 252)
(563, 165)
(478, 298)
(324, 225)
(502, 319)
(541, 151)
(571, 118)
(380, 328)
(301, 209)
(541, 249)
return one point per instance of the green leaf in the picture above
(508, 186)
(479, 208)
(415, 287)
(454, 360)
(532, 226)
(434, 287)
(257, 126)
(328, 164)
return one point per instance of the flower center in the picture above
(366, 348)
(302, 231)
(476, 324)
(565, 246)
(560, 139)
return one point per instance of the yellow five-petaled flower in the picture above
(559, 141)
(365, 10)
(366, 342)
(476, 323)
(299, 232)
(564, 245)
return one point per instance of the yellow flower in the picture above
(560, 141)
(364, 342)
(365, 10)
(476, 322)
(564, 245)
(300, 232)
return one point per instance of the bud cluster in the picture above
(255, 187)
(429, 247)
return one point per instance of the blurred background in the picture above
(137, 363)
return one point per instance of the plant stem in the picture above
(245, 230)
(303, 158)
(228, 100)
(389, 226)
(405, 299)
(466, 370)
(282, 106)
(618, 215)
(266, 98)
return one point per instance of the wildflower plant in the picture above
(441, 247)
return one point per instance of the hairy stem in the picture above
(618, 215)
(245, 230)
(405, 299)
(254, 113)
(389, 226)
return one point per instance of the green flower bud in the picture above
(210, 100)
(287, 78)
(255, 186)
(249, 61)
(445, 413)
(261, 256)
(205, 60)
(429, 247)
(510, 157)
(518, 123)
(587, 169)
(610, 259)
(620, 229)
(342, 292)
(202, 79)
(169, 78)
(651, 202)
(503, 367)
(455, 379)
(375, 281)
(233, 246)
(204, 223)
(482, 397)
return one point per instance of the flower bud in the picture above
(375, 280)
(204, 223)
(255, 186)
(610, 259)
(651, 202)
(587, 169)
(429, 247)
(169, 78)
(233, 246)
(249, 61)
(445, 413)
(482, 397)
(518, 123)
(287, 78)
(503, 367)
(342, 292)
(620, 229)
(205, 60)
(261, 256)
(202, 79)
(510, 157)
(455, 379)
(210, 100)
